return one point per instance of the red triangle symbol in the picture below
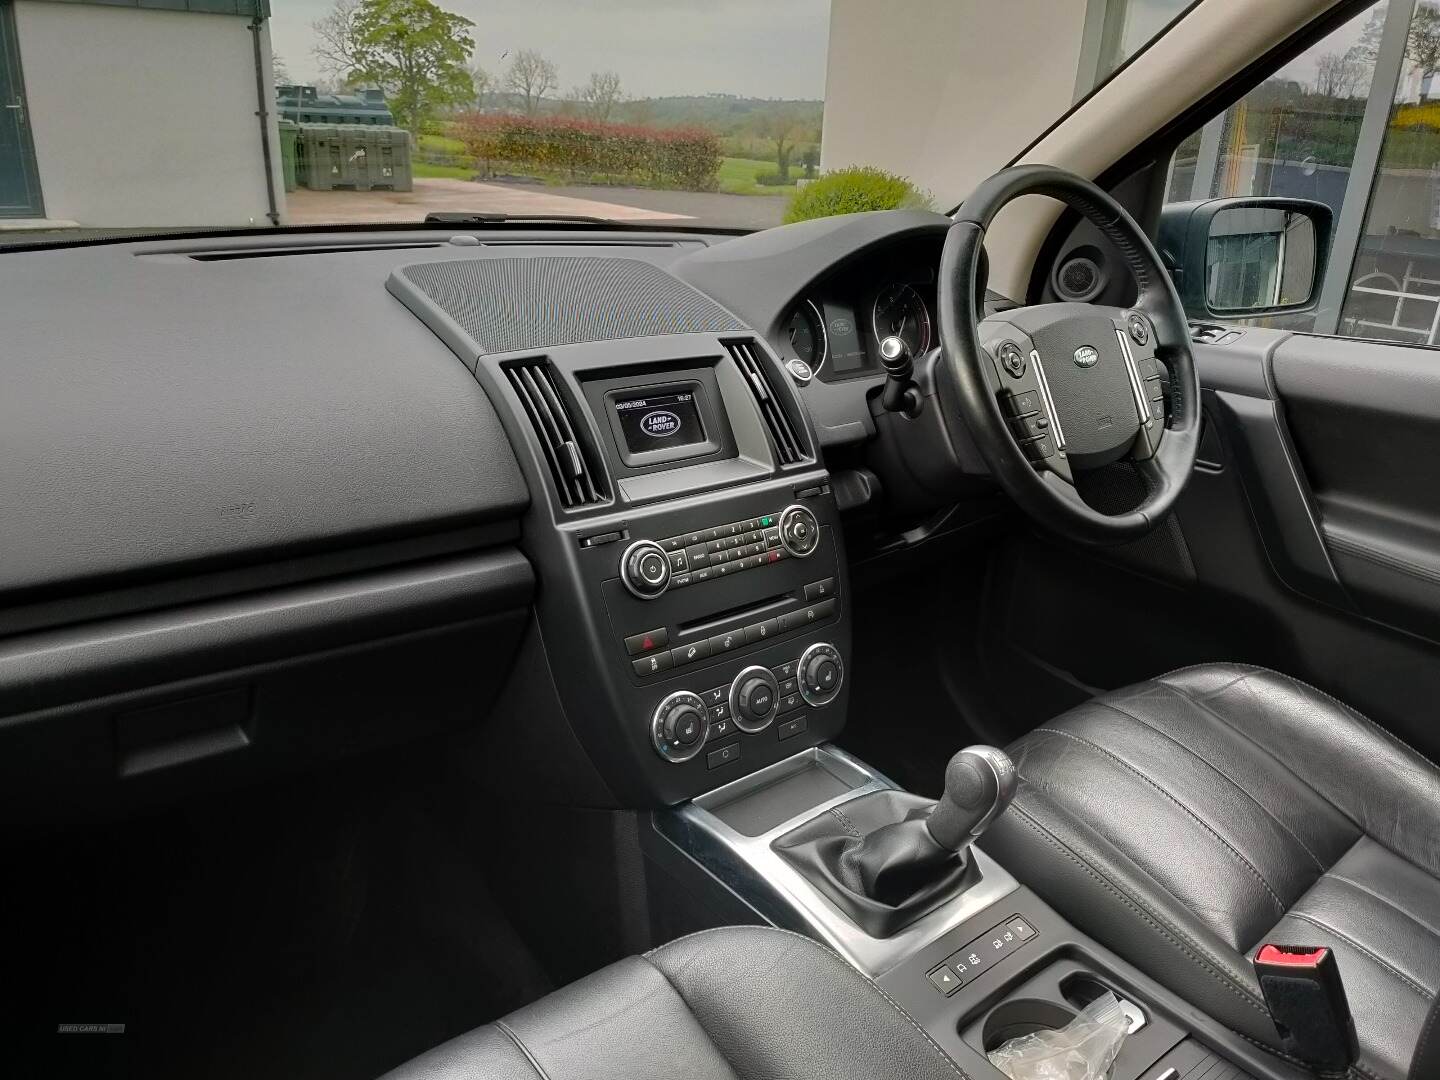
(647, 643)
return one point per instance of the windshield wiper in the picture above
(448, 217)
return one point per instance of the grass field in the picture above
(737, 177)
(444, 172)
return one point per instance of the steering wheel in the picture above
(1054, 390)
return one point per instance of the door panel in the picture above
(19, 181)
(1365, 418)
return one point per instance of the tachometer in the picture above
(901, 311)
(806, 331)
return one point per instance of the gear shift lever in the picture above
(979, 784)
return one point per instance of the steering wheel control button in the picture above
(645, 569)
(1139, 329)
(1011, 359)
(1028, 427)
(799, 531)
(821, 673)
(754, 699)
(652, 665)
(677, 730)
(648, 642)
(1023, 402)
(1040, 448)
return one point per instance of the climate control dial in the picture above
(754, 699)
(645, 569)
(799, 531)
(821, 672)
(677, 730)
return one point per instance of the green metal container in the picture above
(289, 136)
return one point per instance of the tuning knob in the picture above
(799, 531)
(645, 569)
(821, 672)
(677, 729)
(754, 699)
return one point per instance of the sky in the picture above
(752, 48)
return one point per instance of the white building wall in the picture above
(946, 92)
(144, 117)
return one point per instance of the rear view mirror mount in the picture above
(1245, 257)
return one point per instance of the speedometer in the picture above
(806, 331)
(900, 311)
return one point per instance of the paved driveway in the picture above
(305, 207)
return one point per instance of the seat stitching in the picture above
(520, 1045)
(1165, 735)
(1183, 696)
(1177, 936)
(1411, 983)
(1425, 1033)
(865, 980)
(1348, 709)
(1435, 932)
(1279, 904)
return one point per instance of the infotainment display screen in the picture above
(660, 418)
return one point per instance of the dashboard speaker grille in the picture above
(579, 480)
(783, 432)
(1079, 279)
(510, 304)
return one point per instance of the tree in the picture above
(416, 53)
(531, 77)
(599, 97)
(484, 85)
(334, 48)
(1422, 43)
(279, 73)
(782, 125)
(1338, 75)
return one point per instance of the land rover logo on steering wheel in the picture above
(1086, 356)
(660, 424)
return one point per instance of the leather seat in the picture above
(741, 1003)
(1189, 819)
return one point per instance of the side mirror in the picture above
(1239, 258)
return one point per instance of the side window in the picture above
(1353, 122)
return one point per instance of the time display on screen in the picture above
(660, 419)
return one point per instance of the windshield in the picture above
(214, 114)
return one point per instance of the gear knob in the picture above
(979, 784)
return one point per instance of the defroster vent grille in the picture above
(783, 433)
(578, 477)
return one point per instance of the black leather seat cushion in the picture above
(1187, 820)
(742, 1003)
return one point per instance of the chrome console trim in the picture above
(769, 885)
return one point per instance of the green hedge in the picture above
(854, 191)
(686, 158)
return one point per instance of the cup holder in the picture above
(1023, 1016)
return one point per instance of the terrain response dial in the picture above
(754, 699)
(645, 569)
(799, 531)
(677, 730)
(821, 673)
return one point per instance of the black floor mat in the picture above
(321, 930)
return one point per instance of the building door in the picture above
(19, 180)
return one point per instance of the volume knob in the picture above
(645, 569)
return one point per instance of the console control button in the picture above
(651, 665)
(645, 569)
(648, 642)
(722, 755)
(720, 728)
(753, 699)
(792, 726)
(755, 633)
(691, 653)
(678, 562)
(727, 642)
(821, 673)
(716, 696)
(799, 531)
(677, 728)
(806, 616)
(944, 980)
(789, 686)
(784, 671)
(820, 590)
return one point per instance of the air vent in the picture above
(783, 433)
(577, 477)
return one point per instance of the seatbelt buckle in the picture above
(1302, 989)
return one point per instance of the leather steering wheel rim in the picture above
(974, 401)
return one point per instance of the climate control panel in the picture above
(686, 722)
